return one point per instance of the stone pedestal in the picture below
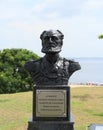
(51, 125)
(51, 109)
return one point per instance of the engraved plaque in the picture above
(51, 103)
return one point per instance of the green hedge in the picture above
(13, 77)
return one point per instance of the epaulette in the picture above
(37, 60)
(69, 60)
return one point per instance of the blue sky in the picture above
(81, 21)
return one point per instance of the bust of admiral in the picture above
(51, 69)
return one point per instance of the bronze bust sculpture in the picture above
(51, 69)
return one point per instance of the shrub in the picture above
(13, 77)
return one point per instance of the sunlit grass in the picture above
(86, 108)
(15, 110)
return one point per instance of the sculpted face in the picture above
(51, 41)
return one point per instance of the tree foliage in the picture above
(100, 36)
(13, 76)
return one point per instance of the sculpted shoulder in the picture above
(68, 61)
(72, 65)
(32, 65)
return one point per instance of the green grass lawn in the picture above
(86, 107)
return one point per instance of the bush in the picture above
(13, 77)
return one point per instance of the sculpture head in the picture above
(52, 41)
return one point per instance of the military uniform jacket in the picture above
(45, 73)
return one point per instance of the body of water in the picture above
(91, 71)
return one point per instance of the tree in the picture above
(100, 36)
(13, 76)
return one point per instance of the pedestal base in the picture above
(51, 125)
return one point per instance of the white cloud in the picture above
(78, 20)
(94, 4)
(39, 7)
(61, 9)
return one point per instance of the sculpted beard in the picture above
(51, 47)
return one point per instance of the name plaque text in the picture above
(51, 103)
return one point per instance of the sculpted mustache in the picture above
(51, 44)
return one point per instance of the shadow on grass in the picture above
(85, 97)
(98, 114)
(4, 100)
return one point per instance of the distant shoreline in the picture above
(86, 84)
(73, 86)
